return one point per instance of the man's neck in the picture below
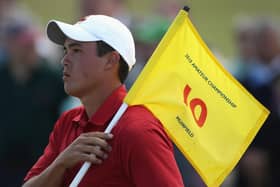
(93, 101)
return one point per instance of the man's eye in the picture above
(76, 50)
(64, 51)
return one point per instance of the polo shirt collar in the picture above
(106, 111)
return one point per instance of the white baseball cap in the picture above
(96, 28)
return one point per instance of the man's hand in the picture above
(91, 147)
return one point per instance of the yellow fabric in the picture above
(205, 111)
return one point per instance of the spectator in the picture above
(245, 41)
(30, 99)
(10, 11)
(260, 164)
(148, 34)
(114, 8)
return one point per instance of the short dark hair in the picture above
(103, 48)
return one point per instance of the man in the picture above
(99, 52)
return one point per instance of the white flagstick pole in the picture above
(87, 165)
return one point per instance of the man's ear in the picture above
(112, 60)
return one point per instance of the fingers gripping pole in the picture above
(87, 165)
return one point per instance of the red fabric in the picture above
(142, 153)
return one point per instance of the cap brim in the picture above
(58, 32)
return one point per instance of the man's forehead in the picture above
(70, 42)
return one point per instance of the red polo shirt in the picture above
(142, 153)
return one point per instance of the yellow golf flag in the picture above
(205, 111)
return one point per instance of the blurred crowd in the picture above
(257, 67)
(32, 95)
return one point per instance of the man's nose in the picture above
(65, 60)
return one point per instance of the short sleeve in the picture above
(147, 154)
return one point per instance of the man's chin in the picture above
(69, 90)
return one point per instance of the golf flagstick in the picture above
(87, 165)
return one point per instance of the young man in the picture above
(99, 52)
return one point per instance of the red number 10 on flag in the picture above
(193, 103)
